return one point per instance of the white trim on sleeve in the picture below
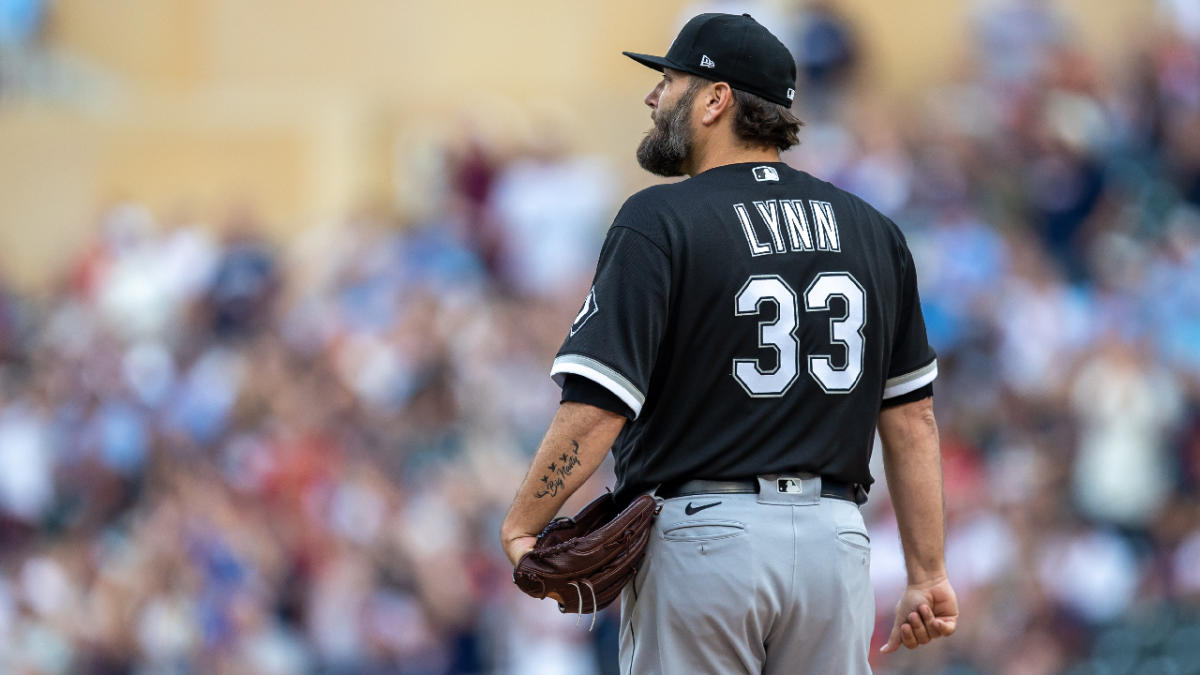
(902, 384)
(618, 384)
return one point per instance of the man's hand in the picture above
(911, 457)
(518, 546)
(925, 612)
(579, 437)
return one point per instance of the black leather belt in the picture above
(851, 492)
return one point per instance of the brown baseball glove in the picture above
(585, 561)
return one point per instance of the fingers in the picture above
(946, 626)
(920, 632)
(907, 636)
(893, 642)
(918, 628)
(930, 622)
(917, 623)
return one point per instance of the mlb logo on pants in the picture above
(790, 486)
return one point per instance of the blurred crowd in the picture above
(1053, 207)
(224, 455)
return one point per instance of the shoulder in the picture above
(652, 213)
(656, 200)
(858, 208)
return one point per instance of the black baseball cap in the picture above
(734, 49)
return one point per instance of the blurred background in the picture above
(281, 281)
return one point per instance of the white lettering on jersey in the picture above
(770, 215)
(778, 335)
(791, 214)
(797, 224)
(757, 248)
(835, 373)
(826, 226)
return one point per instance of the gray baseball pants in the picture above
(776, 582)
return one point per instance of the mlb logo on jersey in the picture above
(765, 173)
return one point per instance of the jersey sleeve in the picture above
(577, 389)
(614, 339)
(913, 364)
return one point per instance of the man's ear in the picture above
(718, 100)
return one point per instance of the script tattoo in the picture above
(558, 471)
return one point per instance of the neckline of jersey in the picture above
(740, 165)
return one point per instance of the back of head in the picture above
(760, 70)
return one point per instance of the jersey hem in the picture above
(618, 384)
(902, 384)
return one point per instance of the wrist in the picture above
(926, 577)
(510, 532)
(518, 546)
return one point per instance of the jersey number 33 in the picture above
(844, 331)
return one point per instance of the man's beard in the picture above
(669, 144)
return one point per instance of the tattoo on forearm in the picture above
(557, 472)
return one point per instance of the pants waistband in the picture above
(852, 492)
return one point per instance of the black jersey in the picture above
(753, 318)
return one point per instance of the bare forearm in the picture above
(913, 462)
(574, 446)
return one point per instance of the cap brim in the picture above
(655, 62)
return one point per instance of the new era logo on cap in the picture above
(706, 62)
(791, 94)
(765, 173)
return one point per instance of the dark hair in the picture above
(759, 122)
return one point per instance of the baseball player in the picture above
(748, 330)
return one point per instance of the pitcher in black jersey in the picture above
(748, 330)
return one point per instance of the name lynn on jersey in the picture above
(787, 224)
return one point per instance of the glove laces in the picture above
(594, 608)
